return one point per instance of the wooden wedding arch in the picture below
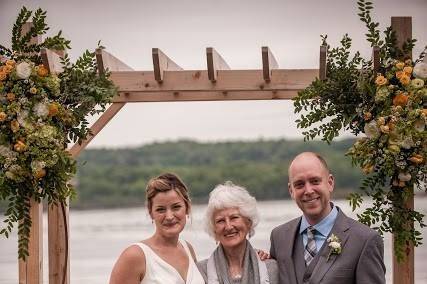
(170, 83)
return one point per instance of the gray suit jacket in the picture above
(361, 259)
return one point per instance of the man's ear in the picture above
(290, 190)
(331, 182)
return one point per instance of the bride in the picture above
(163, 258)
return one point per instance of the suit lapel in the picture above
(289, 248)
(341, 230)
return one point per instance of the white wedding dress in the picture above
(158, 271)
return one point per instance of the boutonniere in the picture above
(334, 244)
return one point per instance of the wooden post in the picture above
(58, 227)
(31, 270)
(403, 273)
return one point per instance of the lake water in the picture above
(97, 237)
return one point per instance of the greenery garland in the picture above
(388, 106)
(40, 114)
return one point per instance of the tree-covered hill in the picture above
(117, 177)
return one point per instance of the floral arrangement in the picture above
(40, 113)
(334, 244)
(388, 107)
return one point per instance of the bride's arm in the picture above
(130, 267)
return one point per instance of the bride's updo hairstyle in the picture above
(164, 183)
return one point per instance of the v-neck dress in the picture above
(158, 271)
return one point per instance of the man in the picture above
(323, 245)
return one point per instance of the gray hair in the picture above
(229, 195)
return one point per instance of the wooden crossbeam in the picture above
(268, 63)
(376, 58)
(228, 80)
(52, 60)
(162, 63)
(215, 62)
(104, 60)
(322, 62)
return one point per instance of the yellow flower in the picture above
(3, 116)
(384, 129)
(381, 120)
(367, 169)
(10, 62)
(53, 109)
(400, 65)
(3, 76)
(42, 71)
(416, 159)
(20, 146)
(405, 79)
(40, 173)
(10, 97)
(380, 80)
(400, 100)
(367, 115)
(399, 74)
(33, 90)
(408, 70)
(394, 148)
(7, 69)
(14, 125)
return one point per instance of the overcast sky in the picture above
(183, 29)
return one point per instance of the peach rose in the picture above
(380, 80)
(42, 71)
(400, 100)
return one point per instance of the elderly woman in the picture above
(231, 218)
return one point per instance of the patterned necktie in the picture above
(310, 249)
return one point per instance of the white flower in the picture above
(420, 70)
(417, 83)
(371, 129)
(407, 142)
(6, 152)
(404, 176)
(419, 125)
(23, 70)
(335, 245)
(41, 109)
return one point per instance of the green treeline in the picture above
(117, 177)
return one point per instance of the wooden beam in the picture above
(403, 273)
(162, 63)
(31, 270)
(52, 60)
(105, 61)
(111, 111)
(376, 58)
(322, 62)
(228, 80)
(196, 96)
(215, 62)
(58, 244)
(268, 63)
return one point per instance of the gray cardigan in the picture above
(272, 270)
